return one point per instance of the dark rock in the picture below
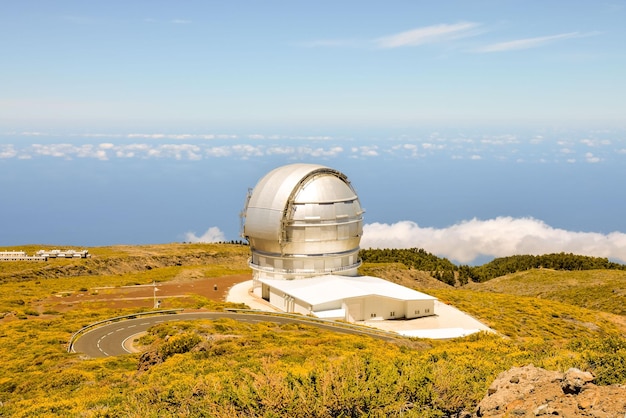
(574, 380)
(149, 359)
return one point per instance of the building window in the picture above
(373, 315)
(417, 312)
(392, 313)
(427, 310)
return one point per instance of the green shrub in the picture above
(179, 344)
(605, 357)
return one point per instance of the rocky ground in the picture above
(531, 392)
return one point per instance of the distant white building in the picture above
(304, 224)
(63, 254)
(19, 256)
(42, 255)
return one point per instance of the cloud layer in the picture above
(213, 234)
(575, 147)
(499, 237)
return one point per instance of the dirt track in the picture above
(215, 288)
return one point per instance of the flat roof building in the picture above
(355, 298)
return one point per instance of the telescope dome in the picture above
(303, 220)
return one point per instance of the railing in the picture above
(270, 269)
(70, 344)
(337, 324)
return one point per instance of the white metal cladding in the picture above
(361, 297)
(303, 210)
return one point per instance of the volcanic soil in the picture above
(143, 296)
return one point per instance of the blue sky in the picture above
(469, 128)
(314, 66)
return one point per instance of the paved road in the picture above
(108, 340)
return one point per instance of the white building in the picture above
(304, 224)
(42, 255)
(356, 298)
(19, 256)
(63, 254)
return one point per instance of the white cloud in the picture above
(218, 151)
(431, 146)
(55, 150)
(213, 234)
(7, 151)
(366, 151)
(180, 151)
(94, 135)
(321, 152)
(30, 133)
(595, 142)
(428, 35)
(414, 37)
(499, 237)
(101, 155)
(406, 150)
(132, 150)
(528, 43)
(146, 136)
(177, 136)
(592, 158)
(500, 140)
(246, 151)
(280, 150)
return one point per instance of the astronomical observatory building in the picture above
(304, 224)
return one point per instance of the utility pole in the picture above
(156, 303)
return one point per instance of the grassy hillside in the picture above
(225, 368)
(401, 274)
(28, 287)
(125, 259)
(602, 290)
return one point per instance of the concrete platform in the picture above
(449, 322)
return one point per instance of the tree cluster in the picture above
(558, 261)
(444, 270)
(415, 258)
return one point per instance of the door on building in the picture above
(354, 310)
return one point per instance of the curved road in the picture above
(109, 340)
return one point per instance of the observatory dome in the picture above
(303, 220)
